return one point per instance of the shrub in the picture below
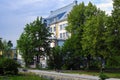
(1, 66)
(102, 76)
(9, 66)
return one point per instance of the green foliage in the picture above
(1, 44)
(114, 29)
(76, 18)
(113, 62)
(72, 53)
(102, 76)
(87, 27)
(34, 41)
(55, 60)
(9, 66)
(7, 48)
(1, 66)
(93, 36)
(112, 35)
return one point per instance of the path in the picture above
(52, 75)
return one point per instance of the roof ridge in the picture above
(62, 7)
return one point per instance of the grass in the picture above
(21, 76)
(110, 75)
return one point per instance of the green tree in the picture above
(113, 32)
(76, 19)
(7, 48)
(24, 45)
(93, 40)
(55, 60)
(10, 45)
(38, 39)
(79, 19)
(1, 44)
(71, 53)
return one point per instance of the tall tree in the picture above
(55, 60)
(25, 47)
(1, 44)
(113, 32)
(81, 19)
(7, 48)
(93, 40)
(38, 35)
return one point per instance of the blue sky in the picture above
(15, 14)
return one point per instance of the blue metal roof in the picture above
(59, 14)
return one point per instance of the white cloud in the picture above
(106, 6)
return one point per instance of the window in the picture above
(54, 28)
(64, 25)
(63, 35)
(60, 27)
(67, 35)
(60, 35)
(50, 29)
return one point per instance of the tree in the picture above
(81, 23)
(10, 45)
(55, 60)
(76, 19)
(115, 29)
(37, 35)
(72, 56)
(24, 45)
(93, 40)
(1, 44)
(7, 48)
(113, 32)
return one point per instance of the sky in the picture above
(15, 14)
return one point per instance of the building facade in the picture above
(57, 22)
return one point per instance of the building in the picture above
(57, 21)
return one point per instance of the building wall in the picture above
(62, 33)
(57, 21)
(59, 32)
(59, 28)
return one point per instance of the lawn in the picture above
(110, 75)
(21, 76)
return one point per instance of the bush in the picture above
(1, 66)
(9, 66)
(102, 76)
